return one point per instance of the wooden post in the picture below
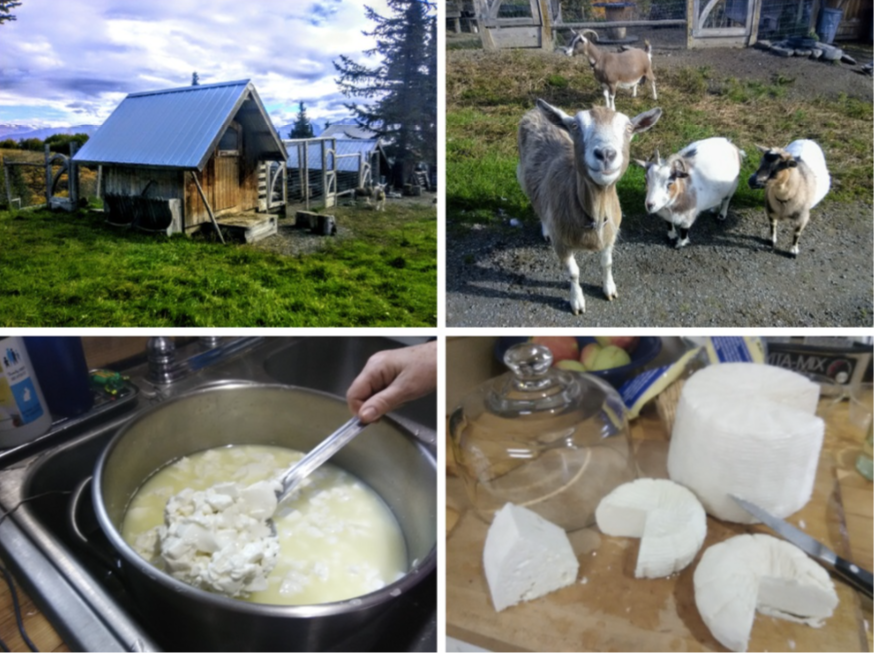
(484, 23)
(324, 173)
(8, 186)
(208, 207)
(73, 177)
(754, 28)
(48, 177)
(545, 26)
(305, 172)
(691, 19)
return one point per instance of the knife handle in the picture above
(854, 575)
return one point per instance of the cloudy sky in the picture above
(72, 62)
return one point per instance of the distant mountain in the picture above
(19, 132)
(8, 130)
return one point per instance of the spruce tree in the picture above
(403, 87)
(6, 9)
(302, 128)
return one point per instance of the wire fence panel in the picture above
(782, 18)
(662, 22)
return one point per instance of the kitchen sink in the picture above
(80, 588)
(329, 364)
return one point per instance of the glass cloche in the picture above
(550, 440)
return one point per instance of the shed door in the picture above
(226, 190)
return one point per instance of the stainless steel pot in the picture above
(387, 457)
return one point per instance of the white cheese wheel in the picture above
(525, 557)
(749, 430)
(667, 517)
(759, 572)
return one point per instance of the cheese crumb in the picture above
(219, 539)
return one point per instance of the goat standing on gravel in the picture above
(568, 168)
(699, 177)
(795, 180)
(615, 69)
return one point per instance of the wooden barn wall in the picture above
(229, 183)
(856, 21)
(122, 180)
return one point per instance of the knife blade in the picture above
(859, 578)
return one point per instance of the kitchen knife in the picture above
(853, 574)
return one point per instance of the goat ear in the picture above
(678, 169)
(642, 164)
(644, 121)
(555, 115)
(762, 149)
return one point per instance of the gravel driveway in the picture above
(504, 276)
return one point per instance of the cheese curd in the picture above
(667, 517)
(747, 573)
(336, 538)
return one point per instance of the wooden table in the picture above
(614, 611)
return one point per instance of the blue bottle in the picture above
(59, 363)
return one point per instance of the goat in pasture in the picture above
(568, 169)
(378, 197)
(795, 179)
(702, 176)
(373, 195)
(615, 69)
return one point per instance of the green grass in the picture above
(72, 270)
(487, 94)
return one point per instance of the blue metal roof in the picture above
(176, 128)
(344, 146)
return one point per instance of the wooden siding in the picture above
(123, 180)
(856, 21)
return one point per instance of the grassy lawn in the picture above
(487, 94)
(73, 270)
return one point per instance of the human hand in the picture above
(391, 378)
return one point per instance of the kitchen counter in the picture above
(471, 618)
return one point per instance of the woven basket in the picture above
(666, 404)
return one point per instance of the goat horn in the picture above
(591, 31)
(658, 157)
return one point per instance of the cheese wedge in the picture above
(525, 557)
(749, 430)
(759, 572)
(666, 516)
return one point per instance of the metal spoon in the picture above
(318, 456)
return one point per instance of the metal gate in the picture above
(514, 24)
(730, 22)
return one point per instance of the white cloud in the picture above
(80, 57)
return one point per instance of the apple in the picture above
(628, 343)
(609, 357)
(562, 347)
(571, 366)
(590, 354)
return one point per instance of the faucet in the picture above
(164, 368)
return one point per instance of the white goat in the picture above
(699, 177)
(568, 168)
(615, 69)
(795, 180)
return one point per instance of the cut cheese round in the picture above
(666, 516)
(749, 430)
(759, 572)
(525, 557)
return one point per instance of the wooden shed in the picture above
(170, 157)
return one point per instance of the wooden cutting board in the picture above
(607, 609)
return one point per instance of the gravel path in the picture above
(504, 276)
